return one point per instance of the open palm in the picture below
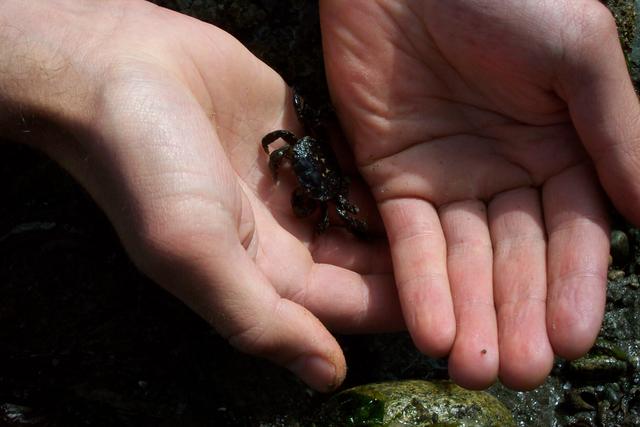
(482, 130)
(160, 117)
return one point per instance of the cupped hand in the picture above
(160, 117)
(485, 129)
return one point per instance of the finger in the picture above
(342, 299)
(473, 362)
(520, 287)
(241, 304)
(604, 107)
(347, 251)
(347, 302)
(577, 260)
(418, 254)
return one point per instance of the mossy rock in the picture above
(414, 403)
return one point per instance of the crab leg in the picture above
(355, 225)
(271, 137)
(345, 205)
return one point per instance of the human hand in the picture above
(480, 127)
(160, 118)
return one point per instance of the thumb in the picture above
(219, 280)
(260, 322)
(604, 108)
(176, 207)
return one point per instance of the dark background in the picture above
(85, 339)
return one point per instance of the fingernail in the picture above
(317, 372)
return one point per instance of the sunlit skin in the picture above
(483, 132)
(485, 129)
(160, 117)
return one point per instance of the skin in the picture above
(486, 130)
(485, 165)
(160, 116)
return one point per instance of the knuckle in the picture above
(252, 340)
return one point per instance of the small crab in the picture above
(316, 168)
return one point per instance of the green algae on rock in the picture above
(414, 403)
(605, 362)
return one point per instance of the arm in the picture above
(160, 116)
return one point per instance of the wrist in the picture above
(48, 74)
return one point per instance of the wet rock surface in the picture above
(87, 340)
(414, 403)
